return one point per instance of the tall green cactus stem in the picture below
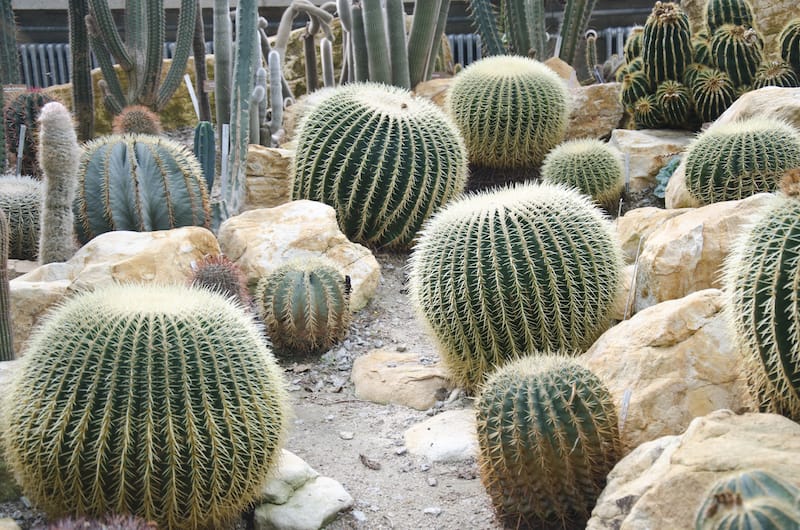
(305, 305)
(359, 36)
(536, 16)
(24, 110)
(221, 275)
(421, 38)
(737, 160)
(573, 26)
(9, 59)
(775, 73)
(712, 92)
(222, 62)
(547, 437)
(6, 337)
(438, 35)
(484, 17)
(515, 22)
(633, 44)
(398, 45)
(675, 102)
(59, 156)
(498, 275)
(789, 42)
(720, 12)
(666, 43)
(159, 401)
(411, 160)
(140, 183)
(750, 500)
(275, 122)
(592, 167)
(199, 58)
(81, 68)
(21, 200)
(310, 60)
(205, 151)
(737, 50)
(491, 98)
(326, 59)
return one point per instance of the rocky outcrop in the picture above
(646, 152)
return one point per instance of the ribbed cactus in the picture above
(501, 274)
(720, 12)
(750, 500)
(137, 119)
(633, 44)
(305, 305)
(59, 156)
(547, 436)
(736, 160)
(647, 113)
(138, 182)
(220, 274)
(712, 92)
(675, 102)
(383, 159)
(21, 201)
(666, 43)
(9, 64)
(510, 110)
(775, 73)
(789, 42)
(205, 151)
(701, 50)
(159, 401)
(592, 167)
(24, 110)
(737, 51)
(573, 26)
(6, 337)
(81, 68)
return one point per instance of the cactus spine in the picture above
(789, 42)
(21, 201)
(221, 275)
(737, 50)
(59, 156)
(666, 43)
(547, 436)
(172, 409)
(591, 166)
(720, 12)
(205, 151)
(6, 337)
(775, 73)
(137, 119)
(489, 275)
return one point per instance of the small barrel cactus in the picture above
(720, 12)
(701, 50)
(136, 119)
(165, 402)
(24, 110)
(750, 500)
(647, 113)
(500, 274)
(547, 436)
(736, 160)
(511, 110)
(775, 73)
(591, 166)
(141, 183)
(305, 305)
(633, 44)
(383, 159)
(220, 274)
(789, 42)
(635, 85)
(713, 92)
(666, 43)
(737, 51)
(675, 102)
(21, 201)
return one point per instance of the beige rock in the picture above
(623, 305)
(435, 90)
(18, 267)
(685, 254)
(447, 437)
(647, 151)
(8, 524)
(384, 376)
(291, 473)
(768, 102)
(675, 360)
(261, 240)
(676, 194)
(269, 179)
(637, 224)
(30, 302)
(313, 506)
(564, 71)
(661, 484)
(596, 111)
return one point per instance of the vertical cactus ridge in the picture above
(593, 167)
(775, 73)
(573, 25)
(666, 43)
(675, 101)
(647, 113)
(738, 51)
(484, 18)
(398, 45)
(737, 160)
(421, 38)
(720, 12)
(380, 67)
(491, 98)
(21, 201)
(6, 337)
(547, 436)
(712, 92)
(789, 44)
(633, 44)
(206, 152)
(517, 30)
(383, 159)
(500, 274)
(159, 401)
(81, 68)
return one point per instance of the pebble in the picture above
(400, 451)
(432, 482)
(346, 435)
(432, 510)
(378, 344)
(424, 467)
(402, 348)
(359, 516)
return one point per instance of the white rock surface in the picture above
(311, 507)
(646, 152)
(447, 437)
(292, 473)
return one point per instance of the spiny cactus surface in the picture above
(137, 119)
(591, 166)
(218, 273)
(21, 200)
(712, 92)
(720, 12)
(666, 43)
(24, 110)
(789, 43)
(738, 51)
(775, 73)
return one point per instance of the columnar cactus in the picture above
(510, 110)
(6, 338)
(159, 401)
(496, 275)
(737, 160)
(383, 159)
(712, 92)
(305, 305)
(21, 201)
(775, 73)
(548, 436)
(666, 43)
(206, 151)
(591, 166)
(220, 274)
(737, 50)
(24, 110)
(137, 119)
(720, 12)
(140, 183)
(750, 500)
(789, 42)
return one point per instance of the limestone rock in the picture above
(435, 90)
(661, 484)
(8, 524)
(447, 437)
(677, 360)
(292, 473)
(623, 305)
(259, 241)
(596, 111)
(18, 267)
(768, 102)
(384, 376)
(9, 489)
(312, 506)
(647, 151)
(30, 301)
(564, 71)
(637, 224)
(686, 252)
(269, 179)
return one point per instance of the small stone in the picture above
(346, 435)
(432, 482)
(402, 348)
(432, 510)
(330, 417)
(400, 451)
(424, 467)
(359, 516)
(378, 344)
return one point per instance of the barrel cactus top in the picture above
(511, 110)
(591, 166)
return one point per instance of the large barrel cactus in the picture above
(533, 267)
(163, 402)
(548, 436)
(720, 12)
(750, 500)
(511, 110)
(591, 166)
(738, 51)
(141, 183)
(21, 200)
(739, 159)
(666, 43)
(383, 159)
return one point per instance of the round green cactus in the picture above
(141, 183)
(547, 436)
(750, 500)
(739, 159)
(737, 51)
(383, 159)
(159, 401)
(720, 12)
(647, 113)
(675, 102)
(712, 92)
(789, 42)
(511, 110)
(635, 85)
(305, 305)
(21, 201)
(701, 50)
(24, 110)
(591, 166)
(690, 74)
(666, 43)
(499, 274)
(220, 274)
(633, 44)
(775, 73)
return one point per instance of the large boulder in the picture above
(269, 178)
(646, 152)
(669, 364)
(595, 112)
(259, 241)
(634, 227)
(661, 484)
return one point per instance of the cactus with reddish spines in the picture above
(137, 119)
(221, 275)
